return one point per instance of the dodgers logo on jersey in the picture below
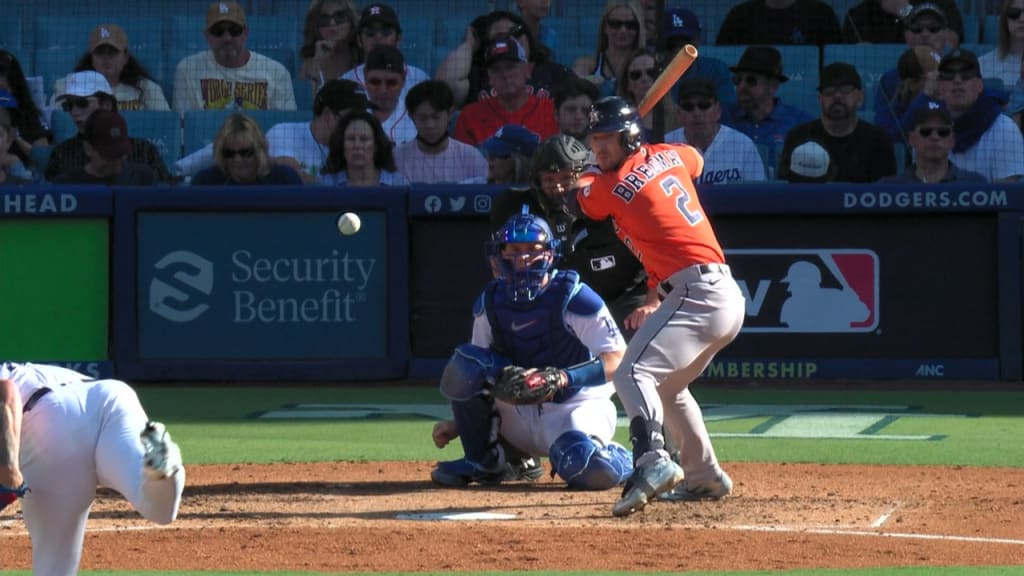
(808, 290)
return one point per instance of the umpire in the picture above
(590, 248)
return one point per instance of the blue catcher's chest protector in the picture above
(535, 335)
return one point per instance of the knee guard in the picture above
(468, 371)
(585, 464)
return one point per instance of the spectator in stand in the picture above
(918, 70)
(84, 93)
(361, 154)
(242, 158)
(12, 166)
(1004, 61)
(433, 157)
(26, 117)
(229, 75)
(385, 74)
(513, 102)
(134, 87)
(532, 13)
(931, 137)
(860, 151)
(649, 8)
(640, 72)
(379, 26)
(682, 27)
(329, 45)
(987, 141)
(509, 152)
(465, 68)
(810, 164)
(620, 33)
(780, 22)
(107, 146)
(758, 113)
(7, 136)
(883, 21)
(573, 98)
(729, 155)
(1015, 107)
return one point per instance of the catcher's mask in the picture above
(522, 252)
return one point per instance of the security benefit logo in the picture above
(181, 284)
(810, 291)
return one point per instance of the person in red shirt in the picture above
(514, 101)
(647, 190)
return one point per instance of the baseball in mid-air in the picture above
(348, 223)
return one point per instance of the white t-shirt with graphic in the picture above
(458, 162)
(731, 157)
(200, 83)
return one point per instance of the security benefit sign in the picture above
(260, 286)
(813, 291)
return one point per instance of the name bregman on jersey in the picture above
(627, 187)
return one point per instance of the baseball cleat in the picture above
(529, 469)
(460, 473)
(655, 478)
(714, 490)
(161, 456)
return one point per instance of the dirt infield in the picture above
(384, 516)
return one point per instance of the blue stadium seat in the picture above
(11, 34)
(871, 60)
(72, 32)
(972, 29)
(162, 128)
(990, 29)
(62, 126)
(303, 94)
(51, 64)
(265, 32)
(419, 38)
(799, 63)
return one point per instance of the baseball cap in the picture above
(341, 94)
(809, 162)
(84, 84)
(917, 61)
(108, 35)
(512, 138)
(697, 86)
(765, 60)
(107, 132)
(839, 74)
(926, 8)
(924, 109)
(385, 57)
(378, 13)
(504, 48)
(228, 11)
(959, 60)
(681, 23)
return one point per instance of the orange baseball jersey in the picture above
(655, 208)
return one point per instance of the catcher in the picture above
(534, 380)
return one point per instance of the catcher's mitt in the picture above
(518, 385)
(9, 495)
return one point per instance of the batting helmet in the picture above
(523, 272)
(614, 114)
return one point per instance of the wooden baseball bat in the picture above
(678, 66)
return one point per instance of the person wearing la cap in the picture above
(385, 77)
(681, 27)
(108, 53)
(986, 140)
(379, 26)
(729, 155)
(918, 70)
(860, 151)
(758, 112)
(229, 75)
(107, 147)
(883, 21)
(931, 138)
(508, 154)
(84, 93)
(514, 101)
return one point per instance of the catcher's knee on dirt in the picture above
(469, 370)
(585, 464)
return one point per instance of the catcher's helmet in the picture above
(523, 272)
(560, 152)
(614, 114)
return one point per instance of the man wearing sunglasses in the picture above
(379, 26)
(859, 151)
(729, 155)
(931, 137)
(884, 21)
(229, 75)
(758, 112)
(385, 75)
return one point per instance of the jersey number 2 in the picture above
(673, 187)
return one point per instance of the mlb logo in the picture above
(602, 263)
(808, 290)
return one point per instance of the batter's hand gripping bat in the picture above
(678, 66)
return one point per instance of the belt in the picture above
(35, 398)
(700, 270)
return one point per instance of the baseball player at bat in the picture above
(62, 434)
(648, 191)
(543, 329)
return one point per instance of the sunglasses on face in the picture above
(961, 75)
(934, 29)
(691, 106)
(339, 17)
(635, 75)
(623, 24)
(845, 90)
(748, 79)
(70, 103)
(391, 83)
(106, 50)
(374, 31)
(229, 153)
(230, 28)
(1013, 13)
(927, 131)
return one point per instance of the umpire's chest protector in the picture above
(535, 334)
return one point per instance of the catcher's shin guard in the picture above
(585, 464)
(477, 422)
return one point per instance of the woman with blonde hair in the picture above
(1004, 61)
(619, 33)
(637, 77)
(329, 48)
(241, 157)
